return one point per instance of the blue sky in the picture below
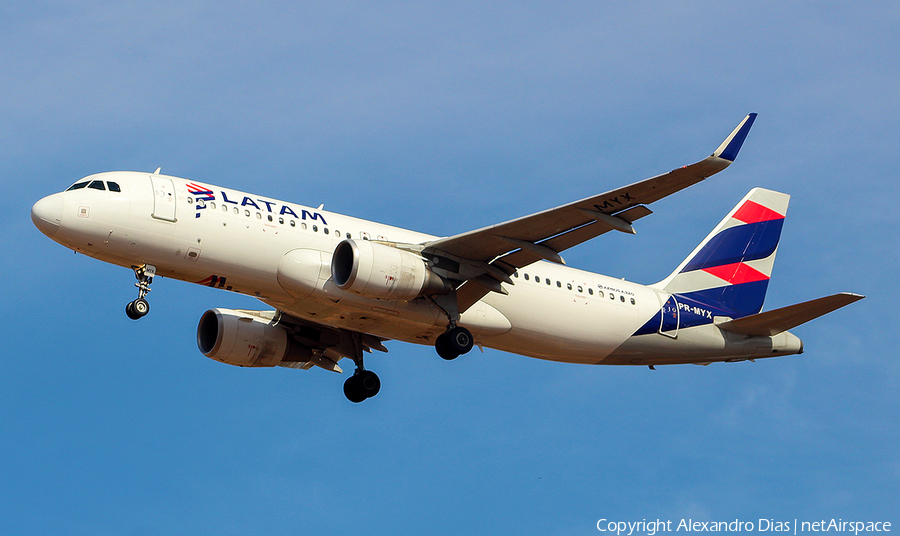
(444, 118)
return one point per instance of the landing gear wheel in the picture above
(140, 307)
(362, 385)
(460, 339)
(444, 347)
(353, 389)
(137, 309)
(370, 382)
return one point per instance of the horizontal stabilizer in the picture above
(774, 322)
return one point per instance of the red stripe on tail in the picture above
(751, 212)
(736, 273)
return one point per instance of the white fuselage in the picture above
(240, 242)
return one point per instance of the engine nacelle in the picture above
(383, 272)
(247, 339)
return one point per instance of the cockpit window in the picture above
(113, 187)
(77, 186)
(97, 185)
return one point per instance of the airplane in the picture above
(341, 286)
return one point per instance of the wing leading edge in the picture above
(516, 243)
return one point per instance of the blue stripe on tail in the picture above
(743, 243)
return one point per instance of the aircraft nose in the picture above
(47, 214)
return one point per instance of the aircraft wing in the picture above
(327, 345)
(522, 241)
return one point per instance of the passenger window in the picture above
(315, 228)
(270, 217)
(236, 211)
(113, 187)
(281, 221)
(212, 205)
(632, 301)
(622, 298)
(348, 236)
(325, 230)
(590, 291)
(77, 186)
(515, 274)
(97, 185)
(303, 226)
(537, 279)
(547, 280)
(258, 215)
(611, 296)
(293, 223)
(569, 286)
(580, 289)
(190, 199)
(526, 277)
(224, 208)
(600, 293)
(559, 284)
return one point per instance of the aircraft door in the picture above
(671, 315)
(163, 198)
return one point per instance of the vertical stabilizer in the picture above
(729, 271)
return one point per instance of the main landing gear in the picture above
(454, 342)
(457, 340)
(364, 383)
(140, 307)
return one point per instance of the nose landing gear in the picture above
(140, 307)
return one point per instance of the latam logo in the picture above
(201, 193)
(204, 193)
(214, 281)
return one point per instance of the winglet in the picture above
(732, 144)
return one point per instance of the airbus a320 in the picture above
(340, 286)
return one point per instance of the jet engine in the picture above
(383, 272)
(247, 339)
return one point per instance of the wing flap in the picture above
(774, 322)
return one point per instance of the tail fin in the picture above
(729, 271)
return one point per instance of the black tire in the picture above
(129, 311)
(370, 383)
(460, 340)
(353, 389)
(445, 348)
(140, 307)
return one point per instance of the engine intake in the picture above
(383, 272)
(247, 339)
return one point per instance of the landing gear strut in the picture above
(457, 340)
(140, 307)
(364, 383)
